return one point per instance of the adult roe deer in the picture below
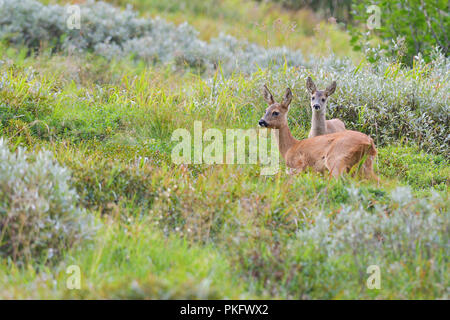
(319, 125)
(337, 152)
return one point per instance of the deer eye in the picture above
(275, 113)
(312, 98)
(323, 99)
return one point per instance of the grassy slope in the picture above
(175, 232)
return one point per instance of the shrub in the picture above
(384, 100)
(415, 26)
(31, 23)
(38, 213)
(116, 33)
(397, 228)
(406, 237)
(392, 103)
(328, 257)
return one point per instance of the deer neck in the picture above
(285, 139)
(318, 126)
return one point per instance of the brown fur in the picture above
(319, 125)
(337, 152)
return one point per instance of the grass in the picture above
(199, 231)
(130, 261)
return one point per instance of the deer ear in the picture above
(330, 89)
(268, 96)
(310, 85)
(287, 98)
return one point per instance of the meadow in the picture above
(87, 179)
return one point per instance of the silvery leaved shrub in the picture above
(31, 23)
(38, 213)
(386, 101)
(398, 231)
(116, 33)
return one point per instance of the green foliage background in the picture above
(407, 28)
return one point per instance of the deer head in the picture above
(319, 97)
(276, 114)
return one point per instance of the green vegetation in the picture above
(340, 10)
(408, 27)
(264, 23)
(158, 230)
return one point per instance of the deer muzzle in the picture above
(262, 123)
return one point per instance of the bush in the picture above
(116, 33)
(392, 103)
(384, 100)
(406, 237)
(31, 23)
(38, 213)
(408, 27)
(330, 253)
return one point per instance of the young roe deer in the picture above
(337, 152)
(319, 125)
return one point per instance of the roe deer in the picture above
(337, 152)
(319, 99)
